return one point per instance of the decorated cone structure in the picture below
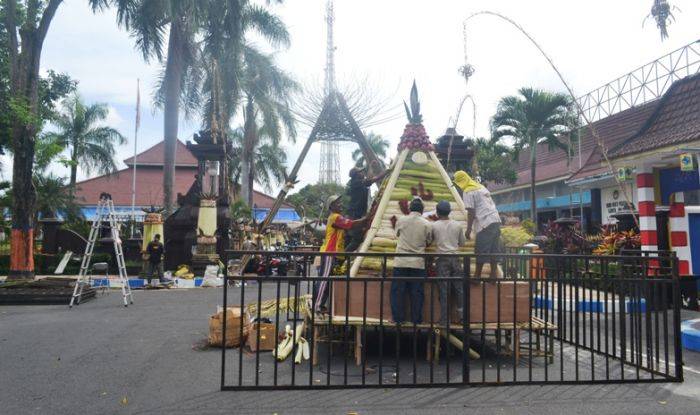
(416, 172)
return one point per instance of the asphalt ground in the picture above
(151, 358)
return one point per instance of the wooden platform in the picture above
(41, 292)
(511, 331)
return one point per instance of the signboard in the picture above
(624, 173)
(612, 200)
(687, 162)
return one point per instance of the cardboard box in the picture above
(262, 337)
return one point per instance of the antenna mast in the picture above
(329, 169)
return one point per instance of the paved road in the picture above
(102, 358)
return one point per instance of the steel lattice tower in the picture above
(329, 167)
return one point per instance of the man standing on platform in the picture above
(414, 234)
(448, 236)
(485, 219)
(334, 241)
(358, 192)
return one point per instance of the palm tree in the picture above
(226, 53)
(148, 21)
(377, 143)
(269, 160)
(265, 93)
(532, 118)
(194, 27)
(90, 145)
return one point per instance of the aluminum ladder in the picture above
(105, 212)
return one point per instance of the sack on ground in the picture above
(233, 327)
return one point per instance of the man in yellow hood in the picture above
(465, 182)
(484, 217)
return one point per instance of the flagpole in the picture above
(133, 178)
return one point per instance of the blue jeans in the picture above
(415, 291)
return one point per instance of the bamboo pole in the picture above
(377, 219)
(458, 343)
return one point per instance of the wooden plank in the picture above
(64, 262)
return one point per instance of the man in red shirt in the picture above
(334, 241)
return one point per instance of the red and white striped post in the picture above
(679, 227)
(647, 208)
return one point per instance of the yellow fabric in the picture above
(207, 220)
(333, 233)
(466, 183)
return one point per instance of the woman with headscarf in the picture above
(484, 218)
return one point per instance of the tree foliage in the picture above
(377, 143)
(494, 162)
(52, 87)
(269, 159)
(90, 144)
(309, 200)
(53, 196)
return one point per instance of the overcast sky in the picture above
(392, 43)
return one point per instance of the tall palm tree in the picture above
(261, 91)
(217, 27)
(149, 21)
(269, 160)
(89, 144)
(532, 118)
(377, 143)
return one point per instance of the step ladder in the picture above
(105, 213)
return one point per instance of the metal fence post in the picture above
(223, 327)
(678, 354)
(465, 319)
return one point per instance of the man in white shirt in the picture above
(448, 236)
(414, 234)
(484, 217)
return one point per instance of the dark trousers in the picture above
(449, 267)
(154, 268)
(353, 239)
(415, 291)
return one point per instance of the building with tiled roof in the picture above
(149, 185)
(583, 182)
(674, 122)
(656, 145)
(555, 171)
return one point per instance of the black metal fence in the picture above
(545, 319)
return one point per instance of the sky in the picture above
(390, 43)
